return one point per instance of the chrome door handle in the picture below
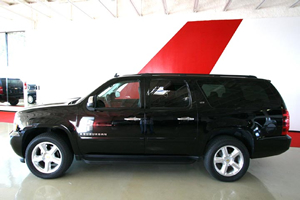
(186, 119)
(132, 119)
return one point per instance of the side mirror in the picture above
(90, 103)
(117, 94)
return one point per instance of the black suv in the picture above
(158, 117)
(13, 88)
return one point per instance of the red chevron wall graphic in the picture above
(194, 49)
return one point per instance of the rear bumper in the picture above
(271, 146)
(11, 96)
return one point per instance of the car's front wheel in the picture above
(30, 99)
(48, 156)
(227, 159)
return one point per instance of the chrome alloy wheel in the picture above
(46, 157)
(228, 161)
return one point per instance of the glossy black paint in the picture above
(144, 131)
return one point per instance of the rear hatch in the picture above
(14, 87)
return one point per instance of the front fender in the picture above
(67, 131)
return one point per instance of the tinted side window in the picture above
(239, 93)
(121, 94)
(168, 93)
(255, 92)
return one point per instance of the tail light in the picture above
(285, 122)
(1, 90)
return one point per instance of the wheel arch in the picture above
(242, 135)
(59, 130)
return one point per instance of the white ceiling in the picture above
(78, 10)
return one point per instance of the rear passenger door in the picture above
(170, 123)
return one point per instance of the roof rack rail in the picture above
(239, 76)
(207, 75)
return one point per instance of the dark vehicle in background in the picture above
(225, 119)
(31, 93)
(11, 90)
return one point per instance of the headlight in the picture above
(16, 128)
(14, 134)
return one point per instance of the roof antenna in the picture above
(116, 75)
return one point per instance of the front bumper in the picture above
(16, 143)
(271, 146)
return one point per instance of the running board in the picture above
(138, 159)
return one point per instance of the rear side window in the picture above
(240, 93)
(168, 93)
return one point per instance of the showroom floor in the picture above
(269, 178)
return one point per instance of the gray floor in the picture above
(268, 178)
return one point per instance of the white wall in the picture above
(72, 59)
(69, 59)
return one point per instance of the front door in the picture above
(171, 119)
(113, 126)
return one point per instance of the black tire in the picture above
(14, 102)
(226, 159)
(48, 156)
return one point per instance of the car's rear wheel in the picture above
(227, 159)
(14, 102)
(48, 156)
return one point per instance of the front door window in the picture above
(120, 95)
